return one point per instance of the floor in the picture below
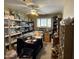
(45, 52)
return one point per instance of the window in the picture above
(38, 22)
(44, 22)
(49, 22)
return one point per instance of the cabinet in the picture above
(46, 37)
(68, 43)
(67, 40)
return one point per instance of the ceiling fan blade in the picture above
(40, 11)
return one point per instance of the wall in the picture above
(68, 8)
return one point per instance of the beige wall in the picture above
(68, 8)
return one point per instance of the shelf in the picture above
(15, 20)
(25, 26)
(14, 41)
(24, 20)
(6, 27)
(13, 27)
(6, 44)
(16, 27)
(13, 34)
(6, 35)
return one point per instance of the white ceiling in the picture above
(45, 6)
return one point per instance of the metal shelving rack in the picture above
(16, 33)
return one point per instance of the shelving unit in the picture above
(56, 24)
(14, 28)
(31, 26)
(56, 28)
(55, 36)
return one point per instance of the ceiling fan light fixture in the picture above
(34, 12)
